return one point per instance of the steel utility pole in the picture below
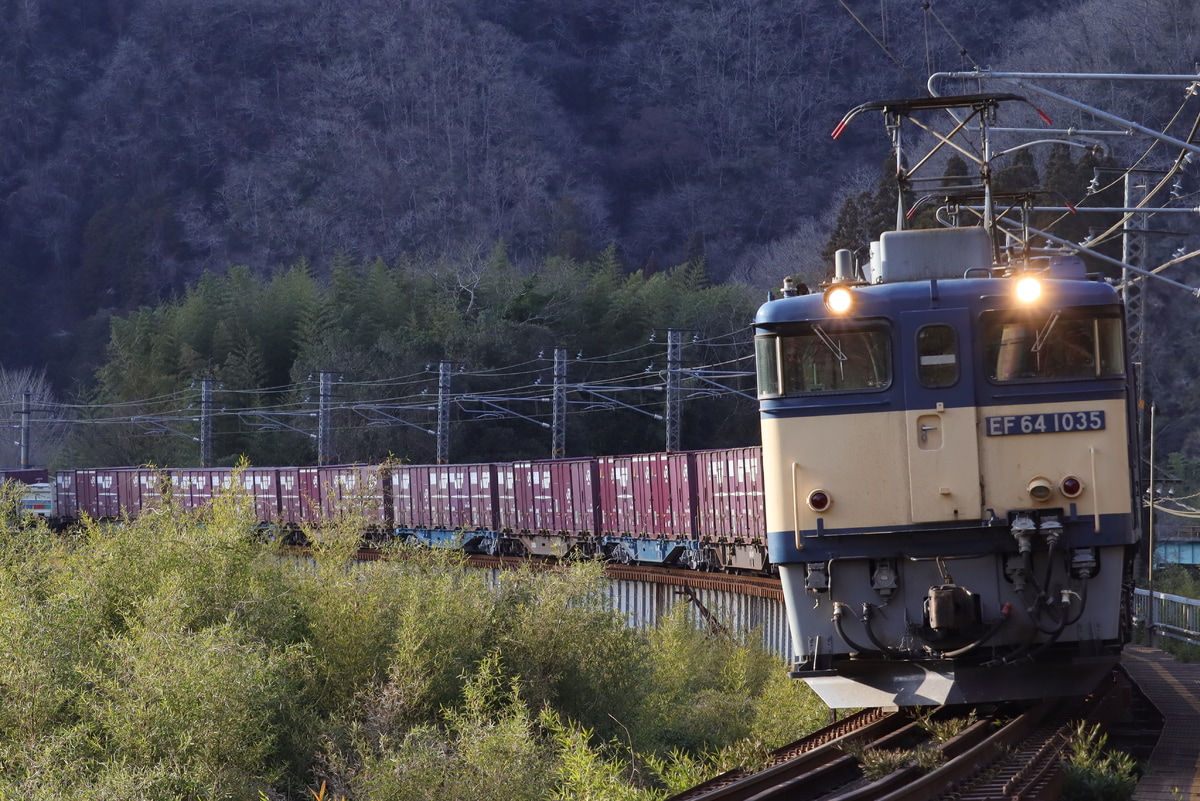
(25, 429)
(443, 425)
(324, 431)
(1133, 249)
(674, 362)
(558, 444)
(206, 443)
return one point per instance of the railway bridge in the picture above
(1152, 709)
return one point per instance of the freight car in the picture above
(283, 497)
(692, 509)
(947, 451)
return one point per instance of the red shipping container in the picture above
(473, 494)
(648, 495)
(116, 492)
(618, 504)
(405, 510)
(676, 499)
(195, 486)
(106, 492)
(85, 493)
(448, 497)
(334, 490)
(291, 509)
(149, 487)
(26, 476)
(444, 496)
(559, 496)
(65, 494)
(262, 485)
(730, 502)
(509, 515)
(413, 497)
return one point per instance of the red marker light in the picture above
(1071, 487)
(819, 500)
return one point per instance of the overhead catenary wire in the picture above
(287, 404)
(962, 50)
(1175, 169)
(882, 45)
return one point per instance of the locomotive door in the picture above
(940, 416)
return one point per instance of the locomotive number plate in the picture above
(1046, 423)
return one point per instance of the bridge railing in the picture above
(1174, 617)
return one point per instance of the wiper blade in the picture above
(829, 343)
(1040, 341)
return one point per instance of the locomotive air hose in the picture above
(1036, 652)
(1027, 646)
(1005, 611)
(839, 610)
(866, 620)
(1051, 547)
(1082, 602)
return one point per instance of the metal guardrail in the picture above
(1171, 616)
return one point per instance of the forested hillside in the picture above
(146, 143)
(381, 331)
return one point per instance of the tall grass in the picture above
(176, 656)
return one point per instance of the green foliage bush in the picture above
(1091, 772)
(179, 657)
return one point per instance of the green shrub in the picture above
(573, 652)
(487, 749)
(588, 773)
(200, 704)
(1093, 773)
(702, 688)
(176, 656)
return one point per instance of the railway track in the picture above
(1009, 752)
(759, 586)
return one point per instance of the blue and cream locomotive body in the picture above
(946, 451)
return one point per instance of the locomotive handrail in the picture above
(796, 507)
(1095, 483)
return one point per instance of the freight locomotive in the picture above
(947, 456)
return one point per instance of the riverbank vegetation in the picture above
(178, 657)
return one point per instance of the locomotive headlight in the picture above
(1029, 290)
(1071, 487)
(838, 299)
(819, 500)
(1040, 488)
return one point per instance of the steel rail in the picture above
(810, 753)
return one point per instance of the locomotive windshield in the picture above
(1021, 346)
(820, 359)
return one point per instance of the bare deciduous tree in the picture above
(45, 423)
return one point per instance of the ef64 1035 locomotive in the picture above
(946, 452)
